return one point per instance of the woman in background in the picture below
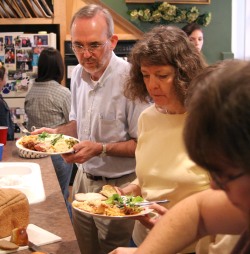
(195, 34)
(48, 104)
(5, 116)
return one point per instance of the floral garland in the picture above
(171, 14)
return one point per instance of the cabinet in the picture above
(58, 19)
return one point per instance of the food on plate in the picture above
(89, 196)
(14, 211)
(113, 205)
(92, 206)
(108, 190)
(38, 252)
(125, 205)
(7, 245)
(19, 236)
(49, 143)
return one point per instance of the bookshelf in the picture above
(59, 18)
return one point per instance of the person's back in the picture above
(5, 117)
(48, 104)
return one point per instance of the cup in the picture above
(1, 151)
(3, 134)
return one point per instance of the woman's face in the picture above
(159, 81)
(197, 38)
(235, 183)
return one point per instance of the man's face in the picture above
(91, 44)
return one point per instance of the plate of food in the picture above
(47, 144)
(109, 204)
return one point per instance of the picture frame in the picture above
(170, 1)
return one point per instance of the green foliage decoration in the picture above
(169, 13)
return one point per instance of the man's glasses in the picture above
(92, 48)
(222, 183)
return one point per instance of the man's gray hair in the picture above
(90, 11)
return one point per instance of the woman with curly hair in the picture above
(163, 64)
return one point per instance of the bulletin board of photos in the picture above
(19, 53)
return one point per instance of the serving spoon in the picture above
(24, 130)
(146, 203)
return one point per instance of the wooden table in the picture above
(51, 214)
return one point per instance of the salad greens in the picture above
(121, 201)
(43, 135)
(53, 140)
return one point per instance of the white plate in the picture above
(18, 145)
(145, 211)
(23, 176)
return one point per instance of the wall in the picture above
(217, 43)
(123, 27)
(71, 7)
(241, 29)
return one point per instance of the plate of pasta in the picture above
(47, 144)
(112, 207)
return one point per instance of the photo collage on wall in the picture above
(19, 53)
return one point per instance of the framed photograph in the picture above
(170, 1)
(40, 40)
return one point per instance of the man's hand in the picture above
(66, 129)
(84, 151)
(44, 129)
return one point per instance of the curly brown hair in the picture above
(163, 45)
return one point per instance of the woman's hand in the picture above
(149, 221)
(131, 189)
(122, 250)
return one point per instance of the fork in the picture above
(146, 203)
(24, 130)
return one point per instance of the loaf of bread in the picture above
(14, 211)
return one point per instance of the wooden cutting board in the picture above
(38, 236)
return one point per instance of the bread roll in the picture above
(14, 211)
(89, 196)
(108, 191)
(7, 245)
